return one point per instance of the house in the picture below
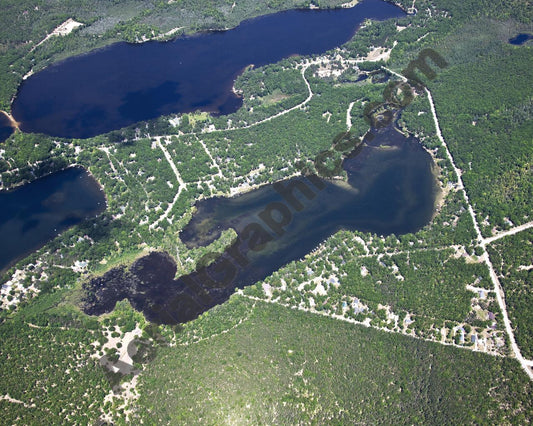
(357, 307)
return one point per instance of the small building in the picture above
(407, 320)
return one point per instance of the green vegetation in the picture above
(487, 117)
(513, 260)
(289, 367)
(24, 23)
(248, 361)
(419, 292)
(30, 156)
(270, 90)
(482, 99)
(430, 283)
(46, 365)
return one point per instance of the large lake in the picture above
(37, 212)
(390, 189)
(126, 83)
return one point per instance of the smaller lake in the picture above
(390, 190)
(37, 212)
(520, 39)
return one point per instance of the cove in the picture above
(390, 189)
(126, 83)
(37, 212)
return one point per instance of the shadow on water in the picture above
(390, 189)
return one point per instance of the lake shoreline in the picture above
(14, 123)
(169, 36)
(96, 191)
(43, 105)
(364, 203)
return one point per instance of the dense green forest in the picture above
(487, 120)
(46, 365)
(513, 258)
(483, 100)
(282, 366)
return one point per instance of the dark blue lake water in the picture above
(390, 189)
(37, 212)
(520, 39)
(126, 83)
(5, 127)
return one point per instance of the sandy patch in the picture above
(128, 392)
(267, 289)
(15, 401)
(62, 30)
(328, 71)
(67, 27)
(379, 54)
(14, 123)
(169, 33)
(460, 251)
(124, 365)
(349, 4)
(16, 284)
(525, 268)
(319, 289)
